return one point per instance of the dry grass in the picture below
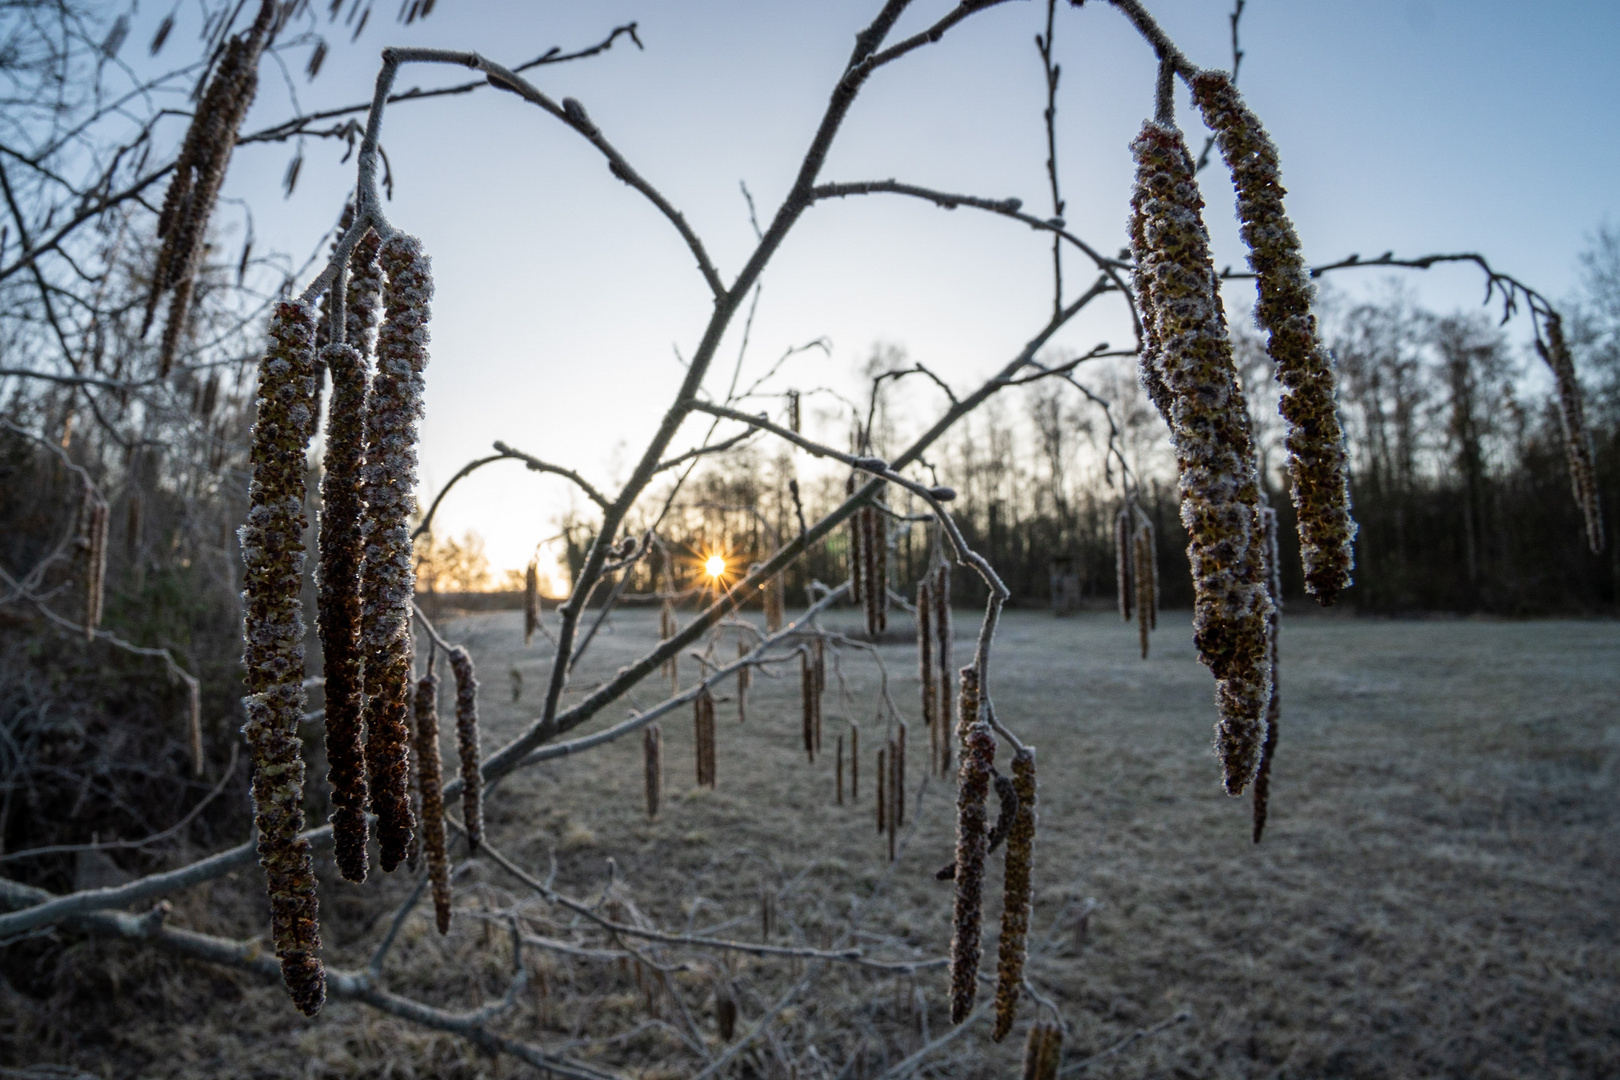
(1435, 895)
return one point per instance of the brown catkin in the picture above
(430, 782)
(820, 682)
(807, 702)
(892, 822)
(1123, 584)
(1317, 467)
(273, 648)
(854, 764)
(773, 604)
(1268, 749)
(467, 746)
(338, 607)
(388, 582)
(880, 563)
(900, 774)
(1016, 895)
(972, 821)
(194, 724)
(1142, 566)
(95, 576)
(1572, 418)
(531, 600)
(840, 771)
(925, 661)
(857, 558)
(199, 171)
(363, 295)
(744, 675)
(652, 766)
(703, 709)
(1210, 432)
(944, 640)
(1043, 1051)
(882, 789)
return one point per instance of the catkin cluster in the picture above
(1209, 427)
(273, 647)
(1317, 468)
(1042, 1051)
(430, 784)
(1577, 439)
(1016, 895)
(198, 172)
(467, 748)
(389, 581)
(978, 752)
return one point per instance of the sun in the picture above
(715, 566)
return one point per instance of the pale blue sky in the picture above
(1418, 126)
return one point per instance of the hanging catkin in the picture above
(807, 702)
(882, 789)
(944, 640)
(854, 764)
(773, 604)
(1123, 582)
(338, 607)
(389, 582)
(198, 173)
(273, 648)
(819, 673)
(1016, 895)
(1577, 439)
(667, 628)
(652, 766)
(857, 557)
(363, 296)
(430, 782)
(925, 663)
(703, 717)
(95, 577)
(880, 563)
(891, 821)
(900, 774)
(744, 674)
(1268, 750)
(1142, 565)
(973, 788)
(1317, 467)
(1210, 432)
(840, 771)
(1043, 1051)
(531, 600)
(467, 748)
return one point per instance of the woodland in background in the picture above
(1460, 480)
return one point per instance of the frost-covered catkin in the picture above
(1577, 439)
(857, 555)
(1142, 567)
(198, 173)
(338, 606)
(807, 702)
(1123, 584)
(1016, 895)
(389, 581)
(1268, 750)
(363, 296)
(972, 820)
(1209, 427)
(880, 565)
(667, 628)
(703, 717)
(1043, 1051)
(531, 600)
(430, 782)
(652, 766)
(273, 648)
(1317, 468)
(467, 748)
(773, 604)
(744, 675)
(944, 642)
(95, 576)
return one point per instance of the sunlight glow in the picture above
(715, 566)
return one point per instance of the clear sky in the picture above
(1413, 125)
